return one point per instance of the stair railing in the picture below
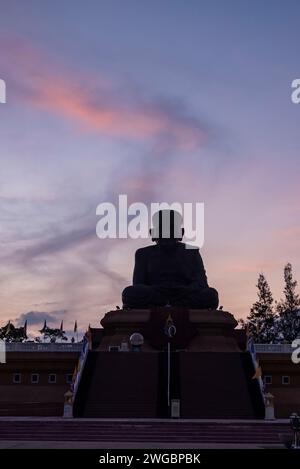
(79, 368)
(252, 351)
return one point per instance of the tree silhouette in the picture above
(53, 334)
(288, 308)
(261, 320)
(10, 333)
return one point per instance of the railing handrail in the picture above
(273, 348)
(252, 350)
(42, 347)
(81, 361)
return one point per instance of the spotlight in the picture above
(136, 340)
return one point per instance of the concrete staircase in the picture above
(166, 432)
(118, 385)
(134, 385)
(219, 385)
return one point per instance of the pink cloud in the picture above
(139, 124)
(48, 86)
(250, 267)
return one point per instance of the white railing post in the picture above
(269, 406)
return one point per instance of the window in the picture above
(268, 379)
(35, 378)
(17, 378)
(52, 378)
(69, 378)
(285, 380)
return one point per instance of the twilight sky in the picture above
(163, 101)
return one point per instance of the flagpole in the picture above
(169, 374)
(76, 330)
(170, 331)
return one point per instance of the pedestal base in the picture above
(196, 330)
(206, 371)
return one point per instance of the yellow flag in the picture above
(258, 372)
(75, 373)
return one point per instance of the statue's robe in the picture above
(169, 274)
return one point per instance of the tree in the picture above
(10, 333)
(53, 334)
(261, 320)
(288, 308)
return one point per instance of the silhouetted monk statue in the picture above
(168, 273)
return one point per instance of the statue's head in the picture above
(167, 227)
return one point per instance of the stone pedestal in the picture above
(206, 372)
(120, 324)
(269, 405)
(68, 405)
(214, 331)
(197, 330)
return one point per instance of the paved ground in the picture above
(178, 421)
(118, 445)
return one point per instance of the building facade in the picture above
(35, 377)
(281, 377)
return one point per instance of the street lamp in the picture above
(295, 426)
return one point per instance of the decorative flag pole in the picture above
(25, 329)
(169, 374)
(75, 330)
(43, 330)
(61, 329)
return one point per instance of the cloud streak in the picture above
(97, 107)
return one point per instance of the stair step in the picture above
(258, 433)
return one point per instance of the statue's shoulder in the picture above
(146, 251)
(193, 250)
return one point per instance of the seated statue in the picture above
(169, 273)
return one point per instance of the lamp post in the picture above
(170, 331)
(295, 426)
